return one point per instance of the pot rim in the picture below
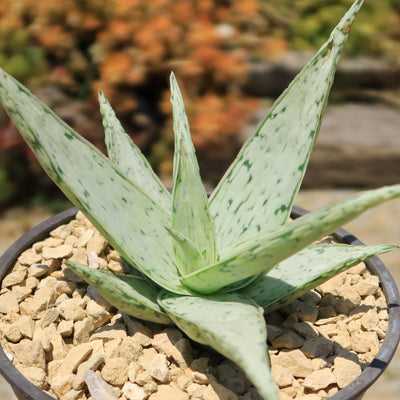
(24, 389)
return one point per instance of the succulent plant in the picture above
(212, 266)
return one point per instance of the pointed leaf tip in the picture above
(190, 212)
(128, 158)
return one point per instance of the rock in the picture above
(61, 384)
(368, 286)
(72, 240)
(158, 368)
(369, 321)
(75, 357)
(35, 375)
(8, 303)
(327, 330)
(21, 292)
(109, 332)
(147, 357)
(342, 338)
(65, 328)
(303, 311)
(115, 267)
(98, 388)
(48, 317)
(99, 315)
(296, 361)
(115, 371)
(37, 270)
(346, 368)
(72, 395)
(306, 329)
(319, 379)
(26, 326)
(288, 340)
(184, 381)
(42, 299)
(169, 392)
(330, 286)
(181, 351)
(94, 362)
(14, 278)
(273, 332)
(83, 330)
(319, 363)
(364, 342)
(133, 369)
(97, 244)
(79, 256)
(71, 311)
(319, 347)
(29, 353)
(52, 369)
(199, 377)
(138, 331)
(85, 237)
(59, 252)
(65, 287)
(112, 348)
(282, 375)
(61, 232)
(143, 378)
(12, 333)
(326, 312)
(130, 349)
(215, 391)
(131, 391)
(29, 257)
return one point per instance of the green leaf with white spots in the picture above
(128, 158)
(305, 270)
(132, 295)
(190, 213)
(257, 191)
(188, 258)
(263, 251)
(131, 221)
(231, 324)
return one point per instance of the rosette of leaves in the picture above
(212, 266)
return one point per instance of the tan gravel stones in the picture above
(65, 338)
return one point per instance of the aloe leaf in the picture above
(132, 295)
(191, 259)
(120, 210)
(263, 251)
(128, 158)
(190, 213)
(257, 191)
(305, 270)
(232, 325)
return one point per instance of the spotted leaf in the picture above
(231, 324)
(257, 191)
(131, 221)
(305, 270)
(263, 251)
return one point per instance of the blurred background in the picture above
(232, 58)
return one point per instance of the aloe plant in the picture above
(212, 266)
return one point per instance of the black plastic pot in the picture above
(25, 390)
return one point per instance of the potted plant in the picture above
(194, 261)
